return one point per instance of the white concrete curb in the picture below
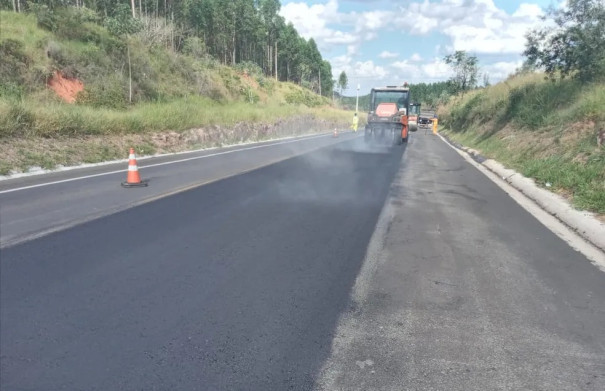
(583, 223)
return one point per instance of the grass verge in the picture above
(544, 130)
(20, 154)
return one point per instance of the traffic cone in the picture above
(335, 133)
(133, 179)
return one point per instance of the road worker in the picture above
(355, 122)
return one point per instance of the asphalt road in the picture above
(35, 205)
(234, 285)
(345, 268)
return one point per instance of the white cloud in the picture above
(473, 25)
(311, 21)
(372, 20)
(477, 26)
(502, 69)
(352, 50)
(368, 68)
(358, 70)
(404, 67)
(432, 71)
(387, 54)
(416, 57)
(338, 37)
(436, 70)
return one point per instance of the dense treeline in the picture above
(248, 33)
(432, 94)
(428, 94)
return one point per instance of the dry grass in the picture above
(21, 154)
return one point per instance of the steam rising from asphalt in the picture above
(342, 165)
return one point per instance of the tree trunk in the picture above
(140, 9)
(134, 15)
(172, 32)
(320, 81)
(18, 6)
(269, 60)
(275, 60)
(233, 52)
(14, 6)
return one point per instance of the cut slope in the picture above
(545, 130)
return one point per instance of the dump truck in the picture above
(388, 118)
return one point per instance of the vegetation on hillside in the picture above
(153, 73)
(230, 32)
(572, 44)
(546, 130)
(544, 124)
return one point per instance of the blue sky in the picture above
(378, 42)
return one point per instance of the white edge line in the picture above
(162, 164)
(61, 168)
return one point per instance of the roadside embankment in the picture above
(544, 130)
(23, 154)
(74, 92)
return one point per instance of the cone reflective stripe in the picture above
(133, 179)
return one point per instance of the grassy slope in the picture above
(545, 130)
(171, 92)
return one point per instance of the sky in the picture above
(379, 42)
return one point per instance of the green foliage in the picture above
(537, 104)
(576, 44)
(109, 93)
(45, 16)
(305, 97)
(16, 119)
(249, 68)
(14, 65)
(59, 119)
(432, 94)
(544, 129)
(78, 43)
(343, 82)
(233, 32)
(122, 22)
(465, 68)
(462, 116)
(195, 47)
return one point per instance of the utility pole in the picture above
(320, 81)
(357, 100)
(134, 15)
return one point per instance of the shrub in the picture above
(110, 92)
(14, 62)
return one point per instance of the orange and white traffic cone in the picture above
(335, 133)
(133, 179)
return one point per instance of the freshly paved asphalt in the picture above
(35, 205)
(236, 285)
(258, 282)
